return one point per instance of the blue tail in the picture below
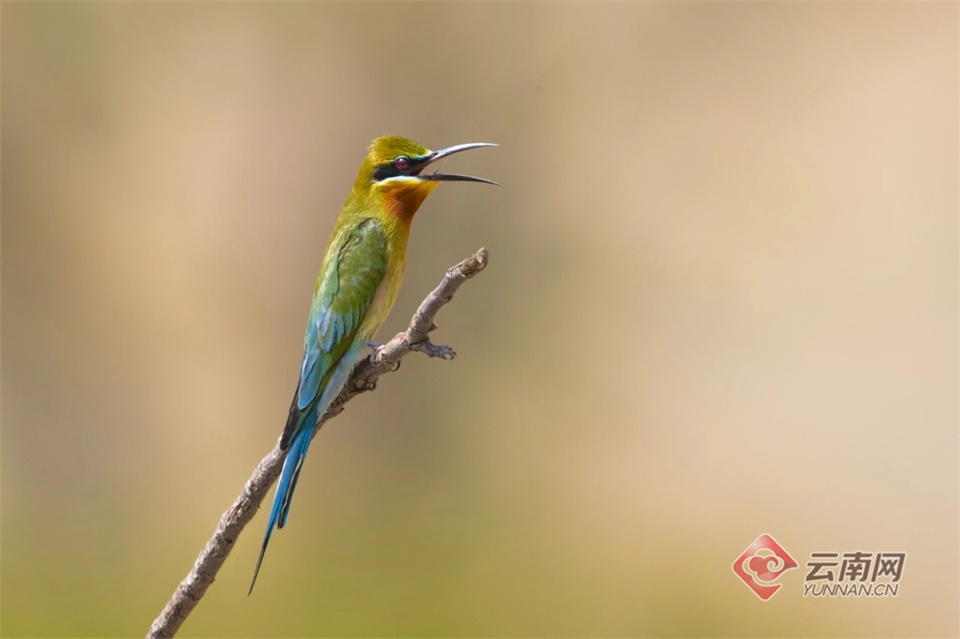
(285, 487)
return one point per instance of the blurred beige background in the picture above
(722, 301)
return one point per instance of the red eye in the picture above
(402, 162)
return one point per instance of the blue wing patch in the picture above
(344, 295)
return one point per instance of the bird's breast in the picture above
(386, 294)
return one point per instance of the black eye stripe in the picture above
(389, 169)
(385, 171)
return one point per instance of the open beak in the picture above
(453, 177)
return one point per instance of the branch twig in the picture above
(383, 360)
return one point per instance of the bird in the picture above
(358, 283)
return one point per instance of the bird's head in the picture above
(394, 172)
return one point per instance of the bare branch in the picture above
(383, 360)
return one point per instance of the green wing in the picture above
(344, 293)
